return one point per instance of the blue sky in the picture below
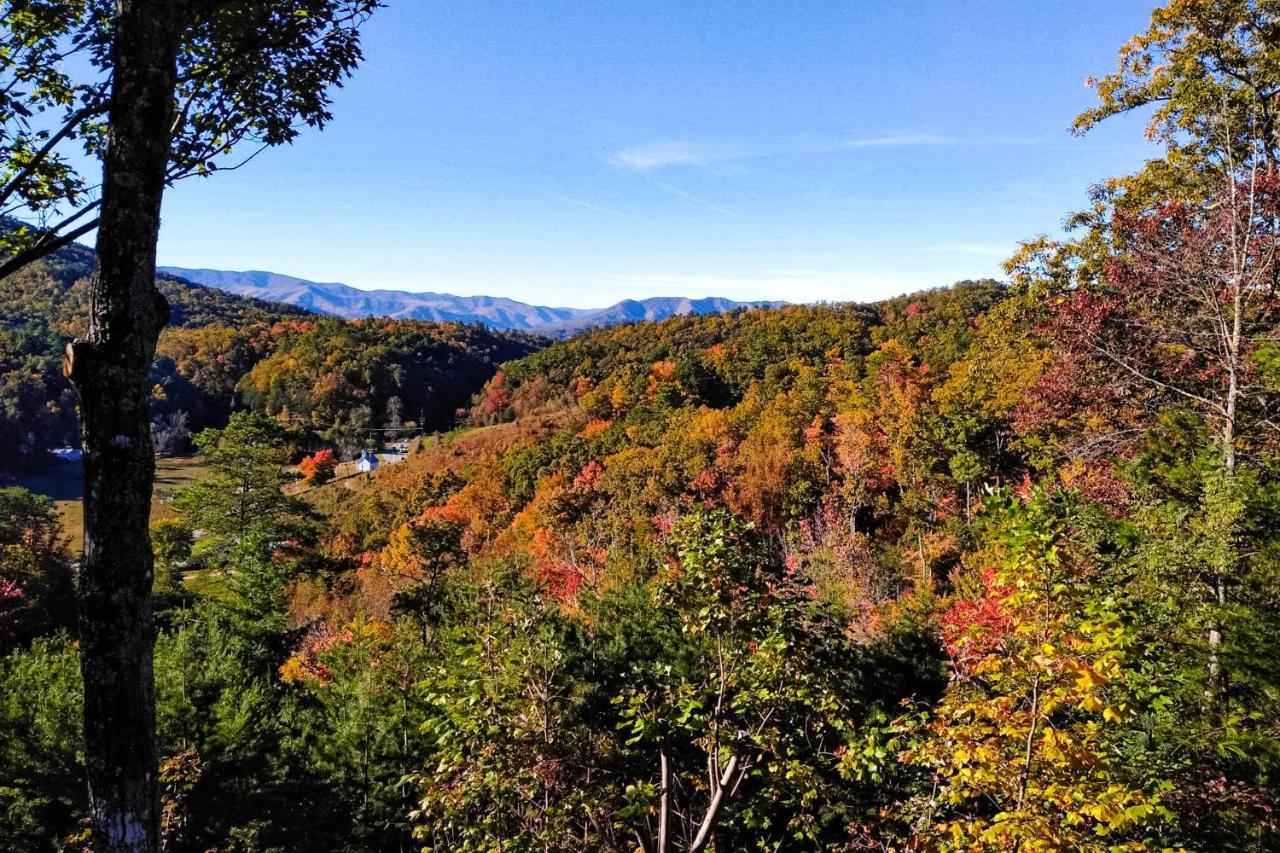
(569, 153)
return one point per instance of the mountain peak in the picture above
(496, 312)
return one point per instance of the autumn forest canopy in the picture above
(988, 567)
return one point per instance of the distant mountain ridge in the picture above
(352, 303)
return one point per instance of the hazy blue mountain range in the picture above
(345, 301)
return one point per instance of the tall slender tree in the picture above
(1169, 294)
(173, 87)
(109, 370)
(1177, 309)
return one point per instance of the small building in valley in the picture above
(368, 461)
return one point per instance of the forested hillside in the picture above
(379, 372)
(337, 378)
(848, 556)
(44, 306)
(989, 567)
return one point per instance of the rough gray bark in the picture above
(109, 370)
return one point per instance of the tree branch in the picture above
(27, 171)
(42, 250)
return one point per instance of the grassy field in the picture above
(453, 451)
(62, 482)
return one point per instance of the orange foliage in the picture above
(319, 467)
(594, 428)
(662, 372)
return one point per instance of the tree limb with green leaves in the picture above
(248, 76)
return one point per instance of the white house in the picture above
(367, 462)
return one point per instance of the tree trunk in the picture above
(1234, 341)
(109, 370)
(728, 780)
(664, 801)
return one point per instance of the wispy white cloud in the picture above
(589, 205)
(663, 154)
(986, 250)
(896, 140)
(685, 194)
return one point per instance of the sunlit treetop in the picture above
(1209, 70)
